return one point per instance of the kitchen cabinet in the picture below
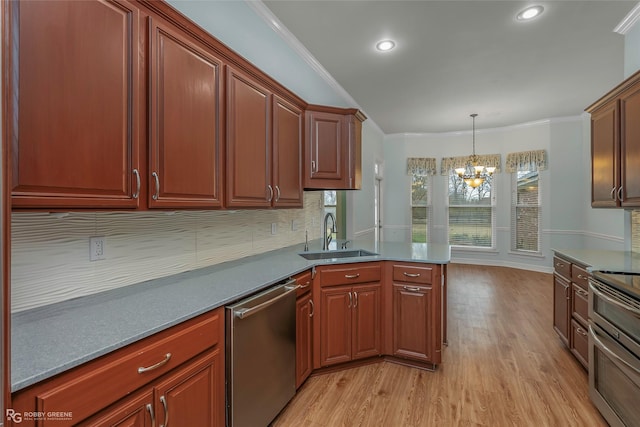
(75, 128)
(263, 158)
(176, 374)
(350, 313)
(185, 153)
(333, 148)
(571, 306)
(304, 328)
(615, 147)
(417, 313)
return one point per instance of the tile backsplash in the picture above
(50, 252)
(635, 230)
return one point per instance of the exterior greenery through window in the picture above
(471, 213)
(420, 208)
(525, 212)
(331, 205)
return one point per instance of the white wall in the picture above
(632, 50)
(565, 189)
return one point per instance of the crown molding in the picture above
(278, 27)
(628, 21)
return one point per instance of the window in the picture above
(525, 212)
(471, 213)
(420, 208)
(335, 202)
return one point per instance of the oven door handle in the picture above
(610, 352)
(600, 294)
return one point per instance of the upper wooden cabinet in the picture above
(333, 159)
(264, 146)
(615, 146)
(74, 85)
(185, 121)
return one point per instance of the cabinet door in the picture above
(194, 394)
(412, 325)
(185, 151)
(248, 142)
(287, 154)
(561, 307)
(327, 153)
(75, 87)
(135, 411)
(366, 322)
(630, 147)
(605, 154)
(304, 333)
(335, 329)
(580, 343)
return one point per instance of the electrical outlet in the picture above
(97, 248)
(274, 228)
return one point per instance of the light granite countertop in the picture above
(603, 260)
(49, 340)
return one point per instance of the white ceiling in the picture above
(454, 58)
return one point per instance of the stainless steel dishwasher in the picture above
(261, 356)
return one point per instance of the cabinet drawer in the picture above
(579, 303)
(95, 385)
(562, 267)
(580, 276)
(412, 274)
(304, 281)
(580, 343)
(352, 274)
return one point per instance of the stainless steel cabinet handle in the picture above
(157, 193)
(270, 198)
(350, 300)
(163, 362)
(352, 276)
(355, 299)
(277, 193)
(313, 166)
(243, 313)
(613, 193)
(609, 352)
(306, 285)
(153, 416)
(411, 274)
(411, 289)
(620, 194)
(313, 308)
(559, 264)
(166, 412)
(137, 192)
(581, 331)
(580, 276)
(582, 292)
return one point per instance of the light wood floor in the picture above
(504, 366)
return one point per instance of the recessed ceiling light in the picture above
(529, 13)
(385, 45)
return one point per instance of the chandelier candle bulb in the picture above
(474, 174)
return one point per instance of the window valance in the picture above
(527, 161)
(421, 166)
(450, 163)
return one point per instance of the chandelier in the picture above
(474, 174)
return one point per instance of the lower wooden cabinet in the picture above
(561, 307)
(304, 338)
(350, 323)
(176, 377)
(412, 334)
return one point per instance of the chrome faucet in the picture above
(326, 237)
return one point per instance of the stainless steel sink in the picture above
(336, 254)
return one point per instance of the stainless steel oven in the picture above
(614, 347)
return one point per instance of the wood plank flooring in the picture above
(504, 366)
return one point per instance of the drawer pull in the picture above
(163, 362)
(410, 289)
(582, 292)
(580, 276)
(352, 276)
(166, 411)
(581, 331)
(306, 285)
(411, 274)
(153, 417)
(559, 264)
